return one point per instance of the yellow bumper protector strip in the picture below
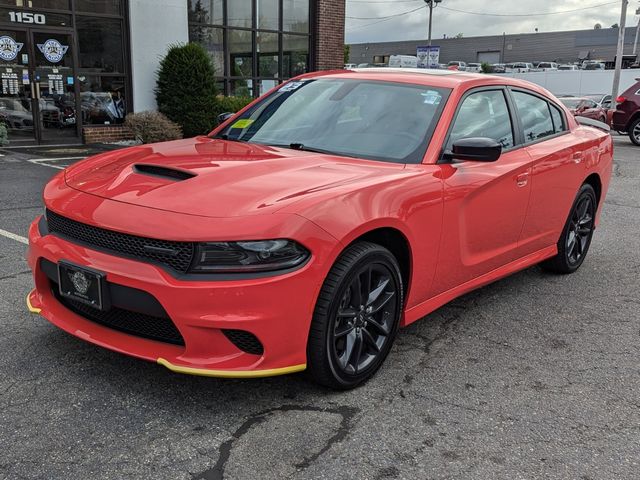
(31, 308)
(232, 373)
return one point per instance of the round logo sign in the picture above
(80, 282)
(53, 50)
(9, 48)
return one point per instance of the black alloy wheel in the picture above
(356, 317)
(577, 234)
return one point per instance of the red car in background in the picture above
(626, 117)
(585, 107)
(306, 229)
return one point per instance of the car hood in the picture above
(218, 178)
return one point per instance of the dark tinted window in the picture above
(483, 114)
(239, 13)
(100, 44)
(99, 6)
(54, 4)
(558, 119)
(206, 11)
(535, 115)
(295, 16)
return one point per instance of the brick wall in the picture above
(329, 45)
(106, 134)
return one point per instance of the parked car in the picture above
(602, 99)
(547, 67)
(403, 61)
(567, 67)
(518, 67)
(14, 114)
(498, 68)
(593, 65)
(304, 231)
(626, 117)
(584, 107)
(350, 66)
(474, 67)
(457, 65)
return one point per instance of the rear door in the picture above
(556, 159)
(485, 203)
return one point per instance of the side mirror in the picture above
(479, 149)
(223, 117)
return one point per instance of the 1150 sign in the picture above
(27, 17)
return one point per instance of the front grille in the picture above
(177, 255)
(127, 321)
(245, 341)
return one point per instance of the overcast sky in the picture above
(414, 26)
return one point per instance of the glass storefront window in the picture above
(53, 4)
(268, 14)
(206, 11)
(240, 53)
(239, 13)
(100, 44)
(242, 88)
(102, 99)
(211, 39)
(267, 44)
(99, 6)
(295, 16)
(295, 55)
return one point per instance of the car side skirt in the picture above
(425, 308)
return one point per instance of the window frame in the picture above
(515, 125)
(566, 130)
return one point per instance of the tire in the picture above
(634, 131)
(349, 338)
(577, 234)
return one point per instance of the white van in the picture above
(403, 61)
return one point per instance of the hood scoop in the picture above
(159, 171)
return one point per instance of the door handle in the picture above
(522, 180)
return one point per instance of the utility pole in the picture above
(432, 4)
(620, 53)
(635, 43)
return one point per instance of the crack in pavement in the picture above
(347, 414)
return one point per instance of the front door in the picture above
(38, 102)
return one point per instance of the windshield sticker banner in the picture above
(242, 123)
(9, 48)
(291, 86)
(53, 50)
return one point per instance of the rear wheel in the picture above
(356, 317)
(634, 131)
(575, 240)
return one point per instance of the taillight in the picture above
(620, 99)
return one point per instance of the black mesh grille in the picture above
(134, 323)
(245, 341)
(176, 255)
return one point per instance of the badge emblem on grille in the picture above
(80, 282)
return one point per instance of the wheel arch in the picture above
(632, 119)
(596, 182)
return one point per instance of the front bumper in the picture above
(276, 309)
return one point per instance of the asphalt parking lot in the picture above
(536, 376)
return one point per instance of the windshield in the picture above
(375, 120)
(572, 102)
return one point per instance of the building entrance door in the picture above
(38, 100)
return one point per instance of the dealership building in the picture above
(72, 69)
(561, 47)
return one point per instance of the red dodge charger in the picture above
(306, 229)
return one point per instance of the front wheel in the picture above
(576, 236)
(634, 131)
(356, 317)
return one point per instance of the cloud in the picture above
(414, 26)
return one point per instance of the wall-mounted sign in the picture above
(428, 57)
(27, 17)
(53, 50)
(9, 48)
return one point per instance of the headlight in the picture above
(248, 257)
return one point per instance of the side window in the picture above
(535, 115)
(483, 114)
(558, 119)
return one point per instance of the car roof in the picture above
(429, 77)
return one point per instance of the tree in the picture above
(186, 89)
(615, 25)
(597, 26)
(347, 53)
(459, 35)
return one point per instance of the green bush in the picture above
(486, 68)
(4, 136)
(230, 104)
(186, 89)
(152, 127)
